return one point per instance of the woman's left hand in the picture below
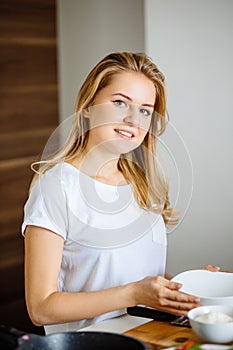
(211, 268)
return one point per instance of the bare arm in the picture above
(46, 305)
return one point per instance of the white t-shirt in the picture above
(108, 239)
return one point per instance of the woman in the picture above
(95, 221)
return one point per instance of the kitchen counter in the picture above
(157, 335)
(119, 324)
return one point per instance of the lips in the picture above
(125, 133)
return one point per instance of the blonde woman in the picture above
(95, 221)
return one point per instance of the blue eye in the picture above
(120, 103)
(146, 112)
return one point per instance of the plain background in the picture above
(191, 42)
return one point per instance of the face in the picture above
(121, 115)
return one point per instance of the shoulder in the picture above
(47, 203)
(61, 171)
(62, 174)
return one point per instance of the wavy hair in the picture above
(140, 167)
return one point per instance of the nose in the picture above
(133, 116)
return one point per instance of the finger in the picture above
(174, 311)
(182, 306)
(211, 268)
(173, 285)
(178, 308)
(182, 297)
(166, 283)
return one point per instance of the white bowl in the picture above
(212, 332)
(213, 288)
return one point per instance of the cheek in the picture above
(143, 134)
(145, 125)
(103, 115)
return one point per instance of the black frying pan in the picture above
(12, 339)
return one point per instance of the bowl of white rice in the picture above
(213, 323)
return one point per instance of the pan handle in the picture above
(147, 312)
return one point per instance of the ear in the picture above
(86, 113)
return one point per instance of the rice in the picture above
(214, 317)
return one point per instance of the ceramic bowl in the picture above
(213, 288)
(212, 332)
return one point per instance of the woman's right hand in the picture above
(159, 293)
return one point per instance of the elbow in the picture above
(42, 311)
(35, 317)
(38, 316)
(36, 322)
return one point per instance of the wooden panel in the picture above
(14, 172)
(25, 108)
(15, 179)
(28, 115)
(23, 144)
(10, 221)
(30, 18)
(27, 65)
(12, 264)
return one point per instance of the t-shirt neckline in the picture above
(97, 182)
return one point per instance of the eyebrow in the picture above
(130, 99)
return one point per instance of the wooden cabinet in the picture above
(28, 115)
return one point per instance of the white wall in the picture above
(191, 41)
(87, 31)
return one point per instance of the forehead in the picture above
(132, 84)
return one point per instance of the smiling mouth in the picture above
(124, 133)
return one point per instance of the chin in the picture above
(122, 146)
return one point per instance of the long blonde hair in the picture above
(140, 166)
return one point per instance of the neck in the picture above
(101, 167)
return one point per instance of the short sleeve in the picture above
(46, 205)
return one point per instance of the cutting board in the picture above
(163, 334)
